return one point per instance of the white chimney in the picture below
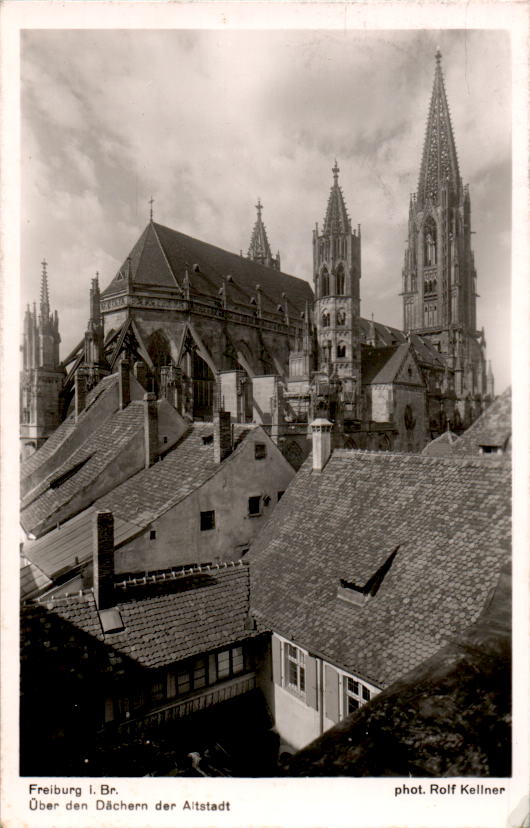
(321, 434)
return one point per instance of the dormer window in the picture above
(490, 449)
(358, 591)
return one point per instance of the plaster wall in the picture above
(263, 389)
(381, 403)
(179, 539)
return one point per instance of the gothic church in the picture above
(211, 330)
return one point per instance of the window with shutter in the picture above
(331, 679)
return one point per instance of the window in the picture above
(326, 319)
(152, 534)
(280, 495)
(260, 451)
(341, 351)
(341, 318)
(355, 693)
(183, 682)
(490, 450)
(294, 668)
(254, 505)
(157, 691)
(199, 673)
(340, 280)
(325, 282)
(207, 520)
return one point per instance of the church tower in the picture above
(94, 365)
(259, 249)
(439, 277)
(336, 275)
(42, 375)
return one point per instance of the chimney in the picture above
(222, 435)
(103, 559)
(80, 393)
(150, 428)
(321, 434)
(140, 372)
(124, 384)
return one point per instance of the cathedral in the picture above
(210, 330)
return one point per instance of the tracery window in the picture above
(341, 318)
(341, 350)
(429, 242)
(326, 319)
(325, 282)
(340, 280)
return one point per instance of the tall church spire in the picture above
(259, 249)
(336, 219)
(439, 277)
(44, 295)
(439, 164)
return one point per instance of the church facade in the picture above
(211, 330)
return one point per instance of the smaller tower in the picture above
(94, 362)
(336, 274)
(42, 375)
(259, 249)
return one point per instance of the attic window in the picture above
(260, 451)
(355, 593)
(62, 478)
(490, 450)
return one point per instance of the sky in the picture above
(207, 121)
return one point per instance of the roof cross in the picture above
(259, 207)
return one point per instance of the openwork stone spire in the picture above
(439, 163)
(337, 219)
(44, 295)
(259, 249)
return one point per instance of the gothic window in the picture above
(325, 282)
(340, 280)
(341, 350)
(429, 242)
(326, 351)
(158, 349)
(341, 318)
(325, 319)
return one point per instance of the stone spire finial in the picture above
(151, 202)
(336, 219)
(335, 170)
(44, 296)
(438, 55)
(259, 249)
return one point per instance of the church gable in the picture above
(409, 372)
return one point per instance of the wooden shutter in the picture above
(311, 695)
(332, 693)
(276, 660)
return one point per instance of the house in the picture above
(205, 500)
(150, 660)
(373, 563)
(450, 716)
(490, 434)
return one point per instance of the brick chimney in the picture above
(124, 383)
(103, 559)
(150, 428)
(80, 393)
(222, 435)
(321, 435)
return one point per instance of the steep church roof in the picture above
(162, 257)
(336, 219)
(439, 161)
(492, 429)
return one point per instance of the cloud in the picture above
(205, 121)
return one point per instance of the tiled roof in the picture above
(32, 581)
(65, 429)
(199, 614)
(386, 335)
(95, 454)
(71, 544)
(162, 256)
(451, 522)
(380, 365)
(152, 491)
(450, 716)
(442, 446)
(492, 428)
